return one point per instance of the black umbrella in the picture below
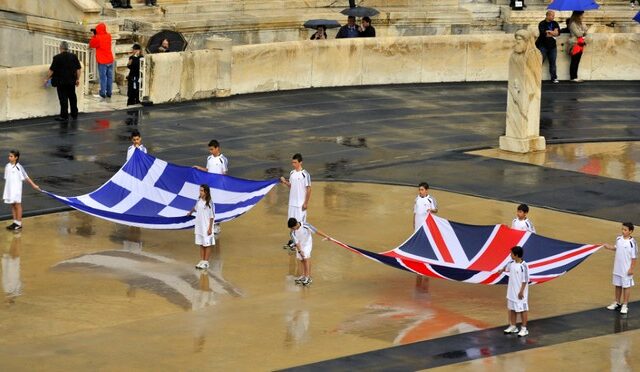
(360, 11)
(177, 42)
(314, 23)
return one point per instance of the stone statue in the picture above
(523, 97)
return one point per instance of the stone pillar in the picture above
(523, 97)
(223, 47)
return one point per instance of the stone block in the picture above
(270, 67)
(337, 62)
(165, 77)
(522, 145)
(487, 57)
(391, 60)
(613, 57)
(444, 58)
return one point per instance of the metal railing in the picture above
(86, 55)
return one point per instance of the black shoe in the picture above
(127, 7)
(74, 117)
(17, 227)
(10, 227)
(60, 118)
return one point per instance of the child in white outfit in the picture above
(205, 215)
(517, 291)
(14, 175)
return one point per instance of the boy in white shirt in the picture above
(623, 265)
(136, 141)
(216, 162)
(521, 222)
(517, 291)
(299, 184)
(301, 238)
(424, 204)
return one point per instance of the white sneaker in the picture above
(205, 264)
(200, 265)
(511, 329)
(523, 332)
(556, 81)
(624, 309)
(614, 306)
(577, 80)
(299, 280)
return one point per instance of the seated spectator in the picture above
(348, 30)
(320, 34)
(164, 47)
(365, 29)
(125, 4)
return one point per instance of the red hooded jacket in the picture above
(101, 41)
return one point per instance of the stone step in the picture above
(136, 11)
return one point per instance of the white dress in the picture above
(13, 177)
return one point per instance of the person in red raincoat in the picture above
(101, 42)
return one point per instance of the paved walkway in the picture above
(397, 134)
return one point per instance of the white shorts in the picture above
(306, 251)
(623, 281)
(297, 213)
(205, 241)
(517, 306)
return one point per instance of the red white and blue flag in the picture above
(474, 254)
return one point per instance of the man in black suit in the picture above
(64, 73)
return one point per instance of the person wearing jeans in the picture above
(105, 70)
(101, 41)
(546, 43)
(578, 31)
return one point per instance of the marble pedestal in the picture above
(522, 145)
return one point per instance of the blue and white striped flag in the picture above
(151, 193)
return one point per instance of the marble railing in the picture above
(223, 70)
(392, 60)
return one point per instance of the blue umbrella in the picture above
(637, 17)
(573, 5)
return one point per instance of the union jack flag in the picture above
(474, 254)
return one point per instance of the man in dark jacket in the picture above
(348, 30)
(64, 73)
(365, 29)
(548, 31)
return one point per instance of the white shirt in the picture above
(518, 274)
(524, 225)
(217, 164)
(13, 176)
(303, 237)
(204, 214)
(132, 148)
(299, 180)
(626, 250)
(421, 208)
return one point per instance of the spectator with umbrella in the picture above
(365, 29)
(164, 46)
(320, 34)
(349, 30)
(320, 25)
(578, 31)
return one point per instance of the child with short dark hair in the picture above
(521, 222)
(216, 162)
(136, 143)
(423, 205)
(301, 237)
(517, 291)
(623, 265)
(14, 175)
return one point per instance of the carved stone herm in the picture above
(523, 97)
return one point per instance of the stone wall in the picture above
(421, 59)
(192, 75)
(64, 10)
(23, 95)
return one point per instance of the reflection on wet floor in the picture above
(131, 297)
(620, 160)
(11, 282)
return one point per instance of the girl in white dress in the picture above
(205, 216)
(14, 175)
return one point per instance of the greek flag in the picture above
(151, 193)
